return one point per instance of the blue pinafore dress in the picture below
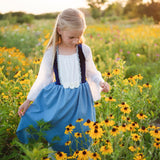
(60, 107)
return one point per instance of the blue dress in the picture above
(60, 107)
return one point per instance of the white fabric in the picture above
(69, 70)
(69, 73)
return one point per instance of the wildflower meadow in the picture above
(127, 123)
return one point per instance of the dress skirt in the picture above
(60, 107)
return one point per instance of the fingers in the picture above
(105, 87)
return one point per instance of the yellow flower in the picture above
(140, 87)
(96, 142)
(83, 155)
(143, 129)
(157, 140)
(75, 154)
(116, 71)
(139, 156)
(95, 156)
(97, 104)
(110, 99)
(108, 122)
(70, 126)
(79, 120)
(139, 76)
(141, 116)
(135, 137)
(111, 116)
(96, 133)
(123, 104)
(125, 110)
(108, 74)
(37, 61)
(68, 130)
(157, 145)
(61, 156)
(78, 135)
(132, 148)
(67, 143)
(155, 133)
(18, 74)
(88, 123)
(123, 127)
(114, 131)
(106, 149)
(147, 85)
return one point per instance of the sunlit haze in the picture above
(43, 6)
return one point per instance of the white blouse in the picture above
(69, 73)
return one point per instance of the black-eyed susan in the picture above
(88, 123)
(139, 76)
(155, 133)
(135, 124)
(116, 71)
(95, 142)
(83, 155)
(107, 142)
(143, 129)
(107, 149)
(95, 156)
(125, 110)
(67, 143)
(97, 104)
(79, 120)
(61, 155)
(108, 122)
(68, 130)
(18, 74)
(139, 156)
(132, 79)
(107, 74)
(111, 116)
(140, 88)
(157, 145)
(110, 99)
(157, 140)
(123, 127)
(70, 126)
(135, 136)
(132, 148)
(78, 135)
(75, 154)
(87, 132)
(123, 104)
(96, 133)
(141, 116)
(37, 61)
(147, 85)
(114, 131)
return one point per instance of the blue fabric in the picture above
(60, 107)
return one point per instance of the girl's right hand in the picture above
(22, 109)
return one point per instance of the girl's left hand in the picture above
(105, 86)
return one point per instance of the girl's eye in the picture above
(71, 37)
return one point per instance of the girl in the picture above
(70, 97)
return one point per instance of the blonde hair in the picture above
(69, 19)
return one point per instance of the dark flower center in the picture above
(84, 152)
(88, 121)
(94, 155)
(95, 131)
(141, 114)
(143, 127)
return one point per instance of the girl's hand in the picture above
(22, 109)
(105, 86)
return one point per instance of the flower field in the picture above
(128, 123)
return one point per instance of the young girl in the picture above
(70, 97)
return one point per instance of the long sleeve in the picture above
(45, 75)
(93, 75)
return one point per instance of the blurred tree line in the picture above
(98, 9)
(131, 9)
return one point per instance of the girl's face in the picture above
(71, 38)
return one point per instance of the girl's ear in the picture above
(58, 30)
